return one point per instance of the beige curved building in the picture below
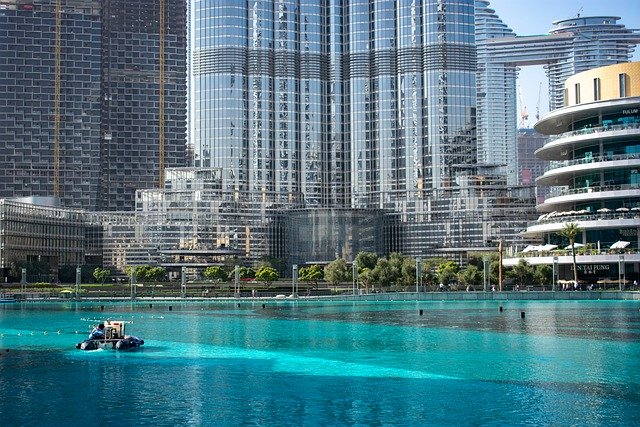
(594, 174)
(603, 84)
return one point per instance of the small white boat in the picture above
(114, 338)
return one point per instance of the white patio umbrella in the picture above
(547, 247)
(636, 208)
(603, 210)
(529, 248)
(623, 209)
(620, 244)
(576, 245)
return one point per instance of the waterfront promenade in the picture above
(384, 296)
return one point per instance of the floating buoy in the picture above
(170, 308)
(150, 305)
(420, 312)
(263, 306)
(522, 314)
(102, 307)
(500, 308)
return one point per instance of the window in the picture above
(596, 89)
(566, 97)
(577, 90)
(622, 84)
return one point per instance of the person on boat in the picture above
(97, 333)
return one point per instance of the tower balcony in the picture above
(558, 145)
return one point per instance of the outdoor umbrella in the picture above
(620, 244)
(603, 210)
(623, 209)
(577, 245)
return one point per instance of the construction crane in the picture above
(538, 103)
(56, 102)
(524, 116)
(161, 99)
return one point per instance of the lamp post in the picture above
(485, 281)
(183, 281)
(23, 280)
(418, 274)
(621, 272)
(554, 273)
(236, 289)
(354, 272)
(78, 279)
(133, 283)
(500, 264)
(294, 279)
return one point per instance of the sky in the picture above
(529, 17)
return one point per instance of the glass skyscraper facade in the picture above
(360, 104)
(107, 90)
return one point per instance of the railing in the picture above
(590, 131)
(596, 216)
(583, 161)
(563, 191)
(579, 252)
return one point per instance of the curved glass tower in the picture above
(360, 104)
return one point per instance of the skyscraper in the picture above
(328, 104)
(50, 101)
(571, 46)
(87, 113)
(143, 97)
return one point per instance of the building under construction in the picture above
(93, 100)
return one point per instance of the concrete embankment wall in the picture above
(488, 296)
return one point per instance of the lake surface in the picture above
(306, 363)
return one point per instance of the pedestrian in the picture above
(97, 333)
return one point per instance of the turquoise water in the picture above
(303, 363)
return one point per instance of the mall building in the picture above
(593, 156)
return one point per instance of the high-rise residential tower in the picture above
(93, 98)
(143, 97)
(571, 46)
(50, 101)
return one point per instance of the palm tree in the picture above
(570, 231)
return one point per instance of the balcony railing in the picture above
(589, 131)
(564, 191)
(596, 159)
(579, 252)
(592, 216)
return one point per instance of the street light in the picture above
(183, 281)
(418, 274)
(555, 273)
(23, 281)
(485, 265)
(621, 273)
(237, 281)
(354, 272)
(133, 283)
(78, 278)
(294, 279)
